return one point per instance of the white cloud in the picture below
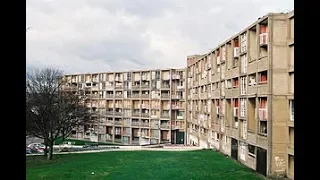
(115, 35)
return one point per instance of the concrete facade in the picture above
(133, 108)
(242, 91)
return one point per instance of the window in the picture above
(251, 150)
(291, 105)
(263, 77)
(263, 127)
(228, 84)
(244, 63)
(252, 80)
(243, 108)
(235, 82)
(243, 89)
(263, 115)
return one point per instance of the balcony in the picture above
(164, 126)
(119, 87)
(110, 96)
(136, 87)
(180, 117)
(175, 96)
(147, 96)
(145, 124)
(118, 96)
(154, 116)
(109, 122)
(109, 87)
(236, 52)
(165, 96)
(145, 86)
(145, 78)
(165, 86)
(135, 123)
(145, 114)
(145, 106)
(165, 115)
(136, 114)
(180, 88)
(118, 113)
(174, 106)
(109, 113)
(175, 76)
(263, 114)
(118, 123)
(137, 95)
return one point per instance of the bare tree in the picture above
(51, 111)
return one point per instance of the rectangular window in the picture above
(291, 105)
(251, 150)
(263, 77)
(243, 89)
(243, 108)
(235, 82)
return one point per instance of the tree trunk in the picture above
(46, 147)
(50, 150)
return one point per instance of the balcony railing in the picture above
(175, 96)
(118, 113)
(154, 116)
(109, 95)
(109, 87)
(109, 112)
(135, 96)
(180, 117)
(145, 124)
(145, 114)
(118, 95)
(263, 114)
(167, 96)
(165, 126)
(119, 87)
(117, 122)
(145, 106)
(145, 86)
(165, 115)
(165, 86)
(136, 87)
(175, 76)
(136, 114)
(180, 87)
(109, 122)
(134, 123)
(145, 95)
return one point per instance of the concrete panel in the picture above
(263, 89)
(252, 90)
(229, 93)
(215, 78)
(252, 67)
(280, 83)
(263, 64)
(251, 162)
(262, 142)
(251, 138)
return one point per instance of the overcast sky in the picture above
(81, 36)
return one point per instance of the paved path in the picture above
(131, 148)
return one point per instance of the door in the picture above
(261, 161)
(179, 137)
(234, 149)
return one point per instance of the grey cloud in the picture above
(113, 35)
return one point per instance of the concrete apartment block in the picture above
(133, 108)
(237, 98)
(240, 96)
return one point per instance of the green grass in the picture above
(139, 165)
(81, 142)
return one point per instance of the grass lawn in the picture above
(139, 165)
(81, 142)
